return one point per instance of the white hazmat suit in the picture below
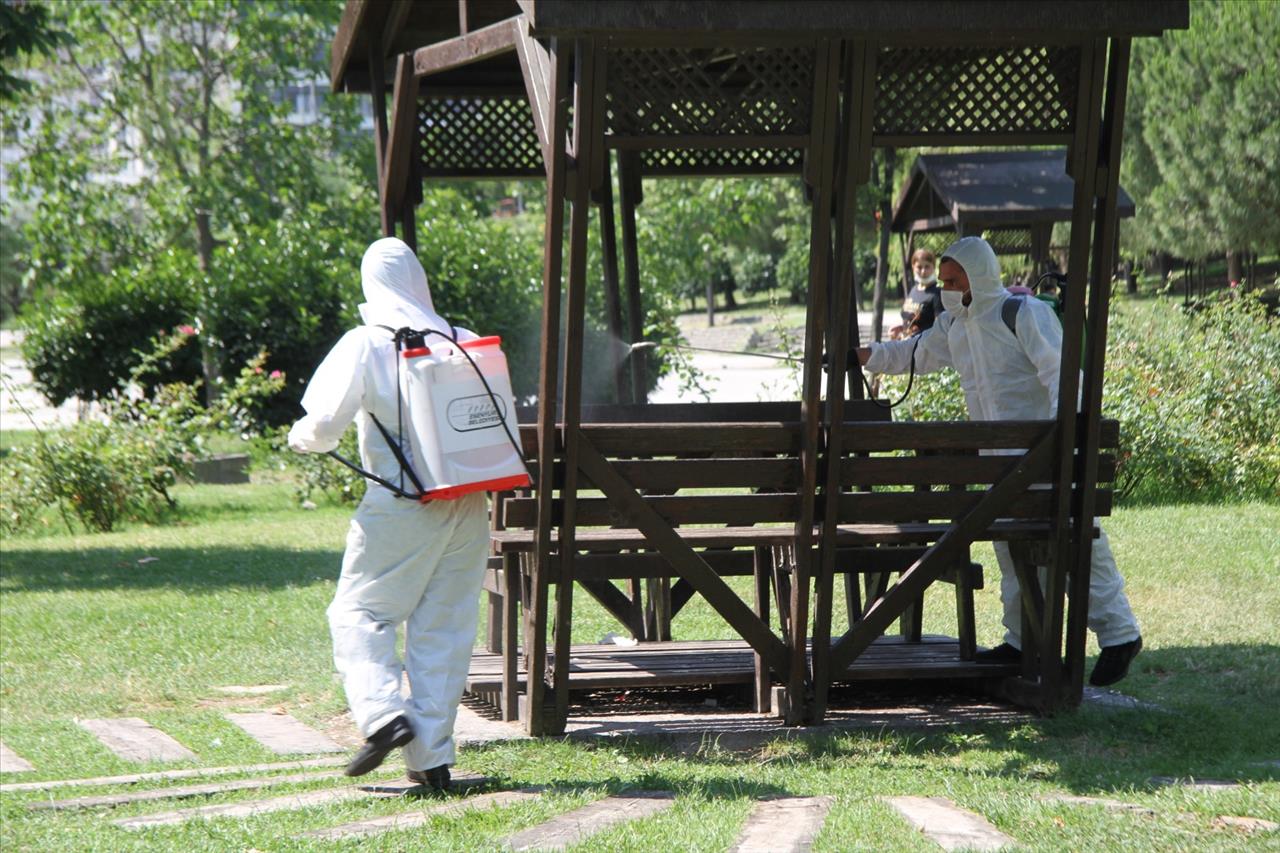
(1008, 376)
(408, 563)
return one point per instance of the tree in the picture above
(196, 144)
(25, 29)
(1203, 140)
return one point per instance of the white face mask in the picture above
(953, 301)
(925, 282)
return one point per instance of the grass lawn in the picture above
(150, 621)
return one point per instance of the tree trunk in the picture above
(210, 346)
(711, 301)
(882, 257)
(1234, 271)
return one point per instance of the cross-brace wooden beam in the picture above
(943, 554)
(683, 558)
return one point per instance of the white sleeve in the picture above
(333, 396)
(1040, 334)
(931, 349)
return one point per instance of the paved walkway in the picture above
(20, 403)
(736, 376)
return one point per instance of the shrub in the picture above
(1196, 395)
(81, 341)
(103, 472)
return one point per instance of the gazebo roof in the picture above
(988, 189)
(402, 26)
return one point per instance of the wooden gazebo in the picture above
(791, 495)
(1012, 197)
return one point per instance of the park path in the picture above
(20, 402)
(736, 375)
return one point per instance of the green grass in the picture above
(149, 621)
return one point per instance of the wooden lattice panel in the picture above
(721, 161)
(488, 136)
(1004, 241)
(975, 91)
(709, 91)
(1009, 241)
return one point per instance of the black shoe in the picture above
(398, 732)
(435, 777)
(1113, 663)
(1003, 653)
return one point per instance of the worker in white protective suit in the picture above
(406, 562)
(1010, 374)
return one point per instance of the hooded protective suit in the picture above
(1008, 376)
(405, 562)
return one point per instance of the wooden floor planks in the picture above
(170, 775)
(180, 792)
(409, 820)
(289, 802)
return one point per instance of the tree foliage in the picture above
(1203, 133)
(162, 130)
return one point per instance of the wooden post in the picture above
(552, 261)
(1105, 228)
(821, 178)
(631, 192)
(854, 166)
(378, 99)
(587, 114)
(1070, 532)
(612, 294)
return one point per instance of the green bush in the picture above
(1197, 396)
(81, 341)
(122, 467)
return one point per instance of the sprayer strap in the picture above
(398, 453)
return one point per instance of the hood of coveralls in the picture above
(979, 262)
(395, 288)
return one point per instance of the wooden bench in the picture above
(907, 489)
(903, 486)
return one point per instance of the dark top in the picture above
(923, 305)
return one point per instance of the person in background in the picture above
(1010, 374)
(924, 301)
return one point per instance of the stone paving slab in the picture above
(179, 792)
(134, 739)
(166, 775)
(1112, 805)
(409, 820)
(11, 762)
(290, 802)
(251, 689)
(950, 826)
(1248, 824)
(282, 734)
(783, 825)
(472, 728)
(1101, 697)
(1197, 784)
(571, 828)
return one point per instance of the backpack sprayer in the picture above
(458, 400)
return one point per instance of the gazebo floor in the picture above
(727, 662)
